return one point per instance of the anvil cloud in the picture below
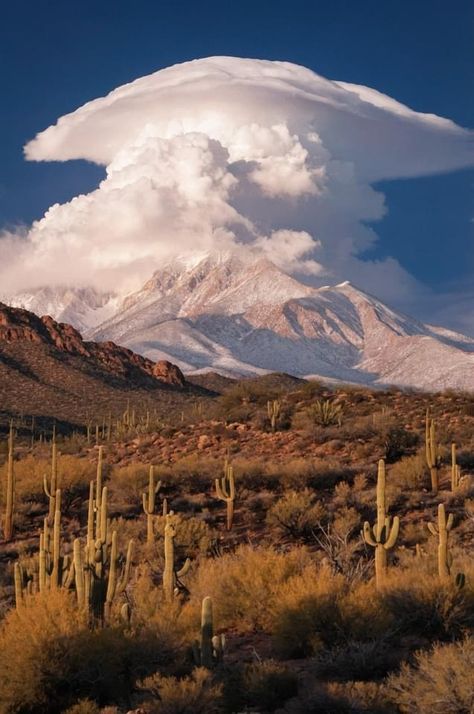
(230, 154)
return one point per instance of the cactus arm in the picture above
(103, 521)
(79, 573)
(18, 578)
(219, 491)
(432, 529)
(112, 579)
(368, 535)
(123, 582)
(185, 569)
(393, 535)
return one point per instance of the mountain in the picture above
(82, 307)
(238, 316)
(47, 369)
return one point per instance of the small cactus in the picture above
(210, 648)
(441, 531)
(273, 411)
(383, 535)
(225, 491)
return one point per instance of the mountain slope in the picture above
(238, 316)
(48, 370)
(235, 316)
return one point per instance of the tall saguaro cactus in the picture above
(50, 490)
(455, 469)
(433, 459)
(442, 533)
(10, 488)
(149, 505)
(383, 535)
(170, 575)
(225, 490)
(54, 569)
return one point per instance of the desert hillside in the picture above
(217, 560)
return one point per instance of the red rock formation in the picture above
(17, 324)
(169, 373)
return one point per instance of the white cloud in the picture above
(221, 152)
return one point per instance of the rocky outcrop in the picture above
(17, 324)
(169, 373)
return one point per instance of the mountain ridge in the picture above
(242, 316)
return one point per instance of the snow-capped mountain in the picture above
(241, 316)
(83, 308)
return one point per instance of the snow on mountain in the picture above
(83, 308)
(238, 316)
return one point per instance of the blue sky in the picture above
(58, 55)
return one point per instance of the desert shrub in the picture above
(396, 441)
(196, 694)
(340, 541)
(306, 614)
(340, 698)
(244, 585)
(296, 514)
(318, 610)
(193, 474)
(266, 685)
(255, 474)
(423, 606)
(409, 472)
(356, 660)
(84, 706)
(74, 475)
(50, 657)
(193, 536)
(127, 484)
(440, 682)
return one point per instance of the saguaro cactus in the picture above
(149, 505)
(210, 648)
(433, 459)
(383, 535)
(225, 490)
(50, 490)
(54, 569)
(442, 533)
(273, 411)
(455, 469)
(170, 575)
(10, 489)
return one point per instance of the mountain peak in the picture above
(239, 313)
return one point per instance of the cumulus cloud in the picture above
(226, 153)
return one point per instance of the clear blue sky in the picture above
(57, 55)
